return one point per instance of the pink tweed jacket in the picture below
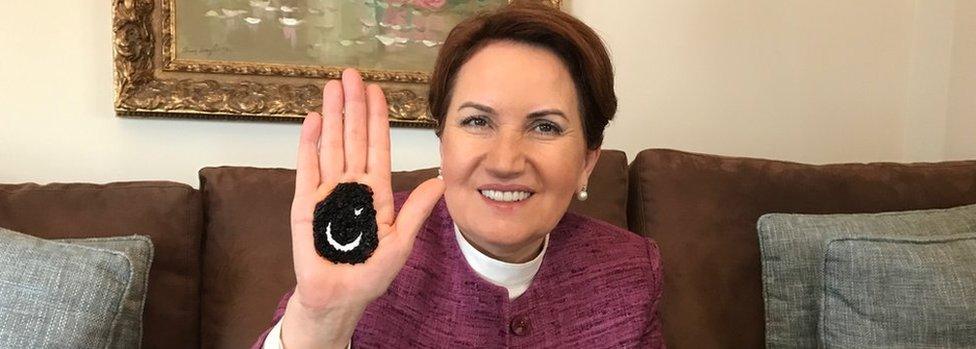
(599, 286)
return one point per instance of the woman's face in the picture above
(513, 149)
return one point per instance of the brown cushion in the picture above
(703, 210)
(169, 213)
(247, 264)
(607, 189)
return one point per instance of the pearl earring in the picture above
(439, 176)
(582, 194)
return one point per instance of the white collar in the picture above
(515, 277)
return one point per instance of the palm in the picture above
(350, 142)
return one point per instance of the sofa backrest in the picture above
(703, 210)
(247, 261)
(169, 213)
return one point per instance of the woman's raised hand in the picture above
(348, 142)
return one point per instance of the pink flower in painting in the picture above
(430, 4)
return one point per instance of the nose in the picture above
(506, 158)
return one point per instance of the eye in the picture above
(548, 128)
(474, 121)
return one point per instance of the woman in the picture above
(521, 96)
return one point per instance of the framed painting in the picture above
(268, 59)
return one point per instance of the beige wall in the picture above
(929, 74)
(961, 120)
(813, 81)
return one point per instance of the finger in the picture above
(354, 138)
(307, 171)
(306, 181)
(416, 210)
(331, 156)
(378, 155)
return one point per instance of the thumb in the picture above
(417, 208)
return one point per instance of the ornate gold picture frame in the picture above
(160, 73)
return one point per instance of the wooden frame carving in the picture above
(151, 82)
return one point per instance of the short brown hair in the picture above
(530, 22)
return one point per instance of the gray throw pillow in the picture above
(900, 292)
(72, 293)
(793, 246)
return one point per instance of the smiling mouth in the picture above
(505, 196)
(341, 247)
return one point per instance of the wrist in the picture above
(304, 327)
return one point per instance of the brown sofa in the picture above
(223, 252)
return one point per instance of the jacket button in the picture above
(520, 325)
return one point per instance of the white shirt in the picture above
(515, 277)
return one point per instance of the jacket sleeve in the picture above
(278, 314)
(653, 337)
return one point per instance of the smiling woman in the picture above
(486, 255)
(513, 130)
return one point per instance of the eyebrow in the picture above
(541, 113)
(532, 115)
(480, 107)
